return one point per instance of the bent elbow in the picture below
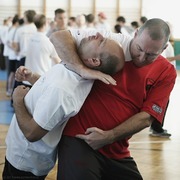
(31, 137)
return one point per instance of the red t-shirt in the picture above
(138, 89)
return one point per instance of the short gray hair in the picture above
(157, 28)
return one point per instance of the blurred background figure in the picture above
(135, 26)
(23, 35)
(72, 22)
(50, 25)
(60, 21)
(117, 28)
(3, 35)
(41, 54)
(81, 21)
(90, 21)
(102, 22)
(126, 30)
(143, 19)
(21, 39)
(12, 55)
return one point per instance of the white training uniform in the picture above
(53, 99)
(169, 52)
(22, 37)
(40, 52)
(12, 55)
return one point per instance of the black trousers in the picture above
(78, 161)
(2, 58)
(10, 173)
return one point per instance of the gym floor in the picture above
(157, 158)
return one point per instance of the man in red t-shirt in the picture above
(95, 142)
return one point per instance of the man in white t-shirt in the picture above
(23, 35)
(42, 112)
(41, 54)
(21, 39)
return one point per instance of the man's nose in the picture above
(143, 57)
(99, 36)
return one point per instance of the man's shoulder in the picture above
(162, 65)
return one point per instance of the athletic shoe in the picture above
(164, 134)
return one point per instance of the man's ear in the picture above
(165, 47)
(136, 32)
(95, 62)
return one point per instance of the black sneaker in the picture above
(164, 134)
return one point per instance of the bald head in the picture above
(157, 29)
(102, 54)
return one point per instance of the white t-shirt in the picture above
(103, 26)
(3, 37)
(169, 52)
(53, 99)
(40, 52)
(12, 55)
(22, 37)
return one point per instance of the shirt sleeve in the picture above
(158, 95)
(53, 107)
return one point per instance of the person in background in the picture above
(102, 22)
(21, 39)
(143, 19)
(60, 20)
(135, 26)
(72, 22)
(23, 35)
(81, 21)
(174, 58)
(90, 21)
(3, 37)
(12, 55)
(117, 28)
(41, 54)
(126, 30)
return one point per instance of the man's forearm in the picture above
(67, 50)
(133, 125)
(23, 118)
(15, 46)
(97, 138)
(33, 78)
(31, 130)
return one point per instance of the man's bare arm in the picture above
(31, 130)
(98, 138)
(15, 46)
(177, 57)
(67, 51)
